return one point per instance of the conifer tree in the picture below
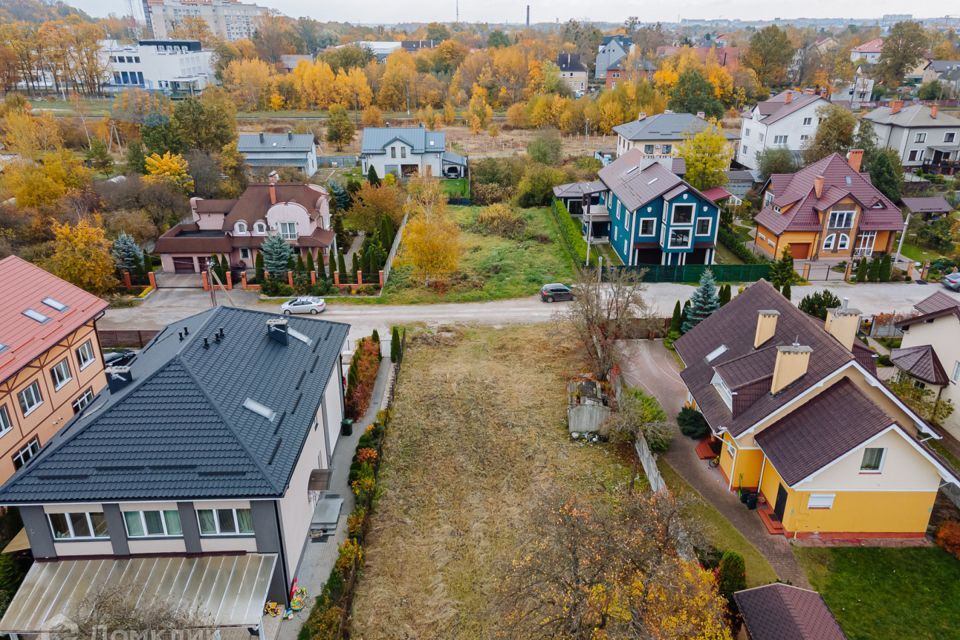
(310, 265)
(703, 302)
(863, 266)
(676, 319)
(126, 254)
(372, 176)
(258, 266)
(320, 267)
(276, 256)
(342, 266)
(395, 345)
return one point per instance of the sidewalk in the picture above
(319, 557)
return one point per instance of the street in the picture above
(169, 305)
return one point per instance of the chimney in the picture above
(933, 111)
(289, 135)
(792, 362)
(842, 323)
(641, 116)
(766, 326)
(818, 186)
(787, 99)
(118, 377)
(261, 137)
(895, 106)
(855, 159)
(701, 114)
(272, 180)
(277, 330)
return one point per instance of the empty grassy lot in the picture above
(477, 435)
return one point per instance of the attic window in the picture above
(261, 410)
(632, 169)
(36, 315)
(848, 180)
(55, 304)
(716, 353)
(652, 181)
(3, 347)
(293, 333)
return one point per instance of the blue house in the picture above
(655, 216)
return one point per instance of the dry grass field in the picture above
(478, 435)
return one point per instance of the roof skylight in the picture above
(716, 353)
(3, 347)
(652, 181)
(261, 410)
(36, 315)
(53, 303)
(293, 333)
(848, 180)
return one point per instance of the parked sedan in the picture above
(554, 292)
(952, 281)
(304, 305)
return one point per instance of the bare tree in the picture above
(604, 312)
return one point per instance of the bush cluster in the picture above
(729, 239)
(948, 537)
(502, 220)
(692, 423)
(361, 376)
(570, 235)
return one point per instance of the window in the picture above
(36, 315)
(668, 148)
(956, 375)
(872, 460)
(244, 254)
(821, 500)
(85, 354)
(679, 239)
(912, 157)
(648, 227)
(288, 230)
(30, 398)
(950, 136)
(74, 526)
(6, 425)
(241, 227)
(841, 219)
(648, 148)
(743, 149)
(843, 242)
(780, 140)
(82, 401)
(143, 524)
(55, 304)
(746, 132)
(393, 152)
(403, 152)
(682, 214)
(260, 228)
(26, 453)
(615, 233)
(920, 137)
(829, 242)
(704, 226)
(60, 373)
(768, 197)
(804, 137)
(807, 122)
(224, 522)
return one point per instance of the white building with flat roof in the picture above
(174, 67)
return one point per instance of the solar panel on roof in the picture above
(36, 315)
(53, 303)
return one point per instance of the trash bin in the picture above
(752, 500)
(346, 427)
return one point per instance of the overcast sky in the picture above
(380, 11)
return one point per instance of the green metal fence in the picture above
(692, 272)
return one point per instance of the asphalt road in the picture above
(169, 305)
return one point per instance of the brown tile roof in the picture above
(255, 201)
(939, 301)
(784, 612)
(777, 107)
(821, 430)
(922, 363)
(734, 325)
(203, 205)
(24, 286)
(865, 357)
(840, 181)
(932, 204)
(187, 238)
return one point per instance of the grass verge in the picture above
(718, 530)
(886, 593)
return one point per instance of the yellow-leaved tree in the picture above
(43, 183)
(431, 240)
(170, 167)
(29, 136)
(249, 83)
(707, 155)
(480, 113)
(81, 256)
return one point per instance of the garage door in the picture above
(183, 265)
(800, 251)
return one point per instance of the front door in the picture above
(781, 504)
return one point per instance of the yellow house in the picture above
(50, 361)
(804, 420)
(827, 210)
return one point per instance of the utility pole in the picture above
(588, 217)
(903, 234)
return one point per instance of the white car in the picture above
(304, 305)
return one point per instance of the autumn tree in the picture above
(340, 129)
(769, 55)
(903, 48)
(81, 256)
(479, 112)
(834, 134)
(374, 201)
(693, 93)
(707, 156)
(29, 136)
(206, 123)
(194, 28)
(431, 239)
(169, 168)
(372, 117)
(399, 76)
(248, 82)
(54, 176)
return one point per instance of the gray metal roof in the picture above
(915, 115)
(664, 126)
(376, 139)
(636, 184)
(282, 143)
(179, 430)
(454, 158)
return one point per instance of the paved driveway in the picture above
(648, 365)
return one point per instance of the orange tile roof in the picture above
(24, 286)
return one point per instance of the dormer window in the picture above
(260, 228)
(723, 391)
(768, 198)
(241, 227)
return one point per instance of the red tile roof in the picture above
(939, 301)
(840, 181)
(922, 363)
(24, 286)
(784, 612)
(715, 194)
(870, 46)
(255, 201)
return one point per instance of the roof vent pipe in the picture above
(261, 137)
(180, 335)
(206, 344)
(186, 331)
(118, 377)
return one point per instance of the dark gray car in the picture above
(555, 292)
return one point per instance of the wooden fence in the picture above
(117, 338)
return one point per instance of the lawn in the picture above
(491, 267)
(718, 530)
(886, 593)
(456, 188)
(477, 436)
(919, 254)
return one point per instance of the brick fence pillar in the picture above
(290, 278)
(126, 280)
(229, 280)
(152, 279)
(313, 277)
(203, 279)
(359, 276)
(924, 270)
(336, 278)
(381, 278)
(806, 271)
(849, 271)
(243, 279)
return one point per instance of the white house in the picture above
(787, 120)
(657, 137)
(175, 67)
(918, 133)
(855, 92)
(573, 72)
(409, 151)
(273, 150)
(869, 51)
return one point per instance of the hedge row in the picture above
(571, 235)
(362, 376)
(731, 241)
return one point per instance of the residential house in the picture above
(586, 201)
(781, 611)
(657, 137)
(826, 211)
(409, 151)
(929, 353)
(50, 360)
(235, 229)
(785, 121)
(920, 134)
(656, 217)
(173, 67)
(612, 49)
(804, 421)
(197, 472)
(938, 69)
(854, 93)
(869, 51)
(625, 68)
(381, 49)
(573, 72)
(275, 150)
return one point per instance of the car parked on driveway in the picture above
(306, 304)
(952, 281)
(554, 292)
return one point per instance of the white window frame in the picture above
(921, 137)
(821, 500)
(285, 233)
(950, 136)
(709, 230)
(956, 371)
(667, 148)
(673, 214)
(260, 228)
(615, 233)
(649, 149)
(35, 395)
(768, 197)
(85, 355)
(843, 241)
(73, 536)
(688, 231)
(60, 374)
(829, 242)
(653, 227)
(6, 424)
(912, 156)
(848, 216)
(26, 453)
(780, 139)
(883, 459)
(216, 521)
(807, 121)
(244, 253)
(143, 525)
(241, 227)
(82, 401)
